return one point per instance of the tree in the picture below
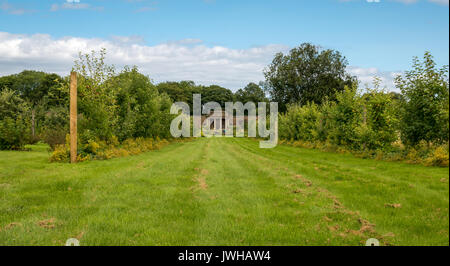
(343, 117)
(215, 93)
(54, 96)
(14, 121)
(251, 93)
(301, 123)
(33, 87)
(378, 127)
(307, 74)
(180, 91)
(7, 82)
(425, 109)
(142, 111)
(96, 94)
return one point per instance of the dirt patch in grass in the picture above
(298, 190)
(358, 230)
(48, 223)
(204, 172)
(362, 229)
(202, 183)
(366, 227)
(305, 181)
(80, 235)
(200, 179)
(10, 226)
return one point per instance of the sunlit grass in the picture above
(221, 191)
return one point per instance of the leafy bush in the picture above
(343, 117)
(141, 110)
(300, 122)
(96, 96)
(126, 105)
(14, 121)
(439, 157)
(55, 126)
(425, 110)
(378, 124)
(366, 125)
(103, 150)
(60, 154)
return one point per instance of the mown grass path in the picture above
(221, 191)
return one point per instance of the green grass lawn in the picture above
(221, 191)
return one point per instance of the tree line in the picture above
(319, 102)
(112, 104)
(412, 124)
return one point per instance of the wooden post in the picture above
(73, 117)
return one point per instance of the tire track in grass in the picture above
(350, 163)
(273, 216)
(122, 201)
(310, 170)
(229, 200)
(182, 209)
(163, 210)
(221, 192)
(235, 200)
(362, 185)
(330, 213)
(249, 203)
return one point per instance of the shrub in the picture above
(439, 157)
(425, 110)
(118, 107)
(103, 150)
(61, 153)
(55, 126)
(378, 124)
(14, 121)
(343, 117)
(300, 122)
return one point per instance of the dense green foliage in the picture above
(141, 110)
(14, 121)
(96, 97)
(321, 101)
(425, 111)
(306, 74)
(183, 92)
(111, 106)
(41, 92)
(358, 121)
(115, 108)
(372, 121)
(251, 93)
(180, 91)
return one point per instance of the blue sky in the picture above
(221, 41)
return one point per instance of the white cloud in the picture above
(187, 59)
(366, 76)
(73, 5)
(183, 60)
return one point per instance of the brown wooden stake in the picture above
(73, 117)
